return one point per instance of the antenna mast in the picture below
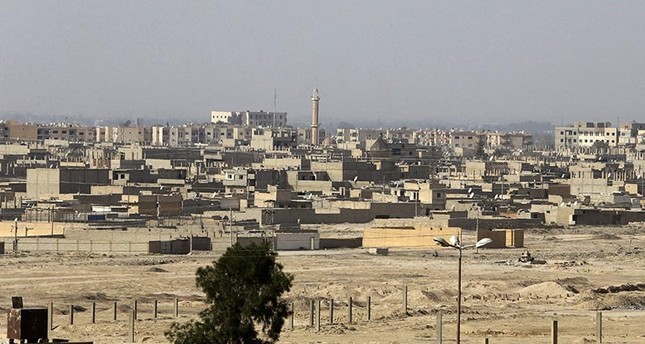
(275, 101)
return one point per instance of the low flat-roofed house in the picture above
(503, 238)
(52, 182)
(274, 197)
(153, 205)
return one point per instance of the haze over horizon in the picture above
(465, 62)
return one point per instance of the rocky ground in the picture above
(587, 269)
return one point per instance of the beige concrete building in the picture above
(250, 118)
(271, 140)
(43, 183)
(120, 134)
(466, 143)
(14, 130)
(586, 134)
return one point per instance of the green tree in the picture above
(243, 289)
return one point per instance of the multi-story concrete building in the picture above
(123, 135)
(403, 135)
(191, 134)
(629, 133)
(511, 141)
(586, 134)
(14, 130)
(304, 135)
(66, 132)
(274, 139)
(466, 143)
(358, 135)
(53, 182)
(250, 118)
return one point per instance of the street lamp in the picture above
(15, 236)
(454, 243)
(416, 201)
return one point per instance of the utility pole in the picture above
(15, 237)
(230, 224)
(477, 231)
(459, 300)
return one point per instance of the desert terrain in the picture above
(587, 269)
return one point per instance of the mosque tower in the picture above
(314, 117)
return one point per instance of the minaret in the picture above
(314, 117)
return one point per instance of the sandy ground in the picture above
(507, 302)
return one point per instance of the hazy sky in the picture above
(462, 61)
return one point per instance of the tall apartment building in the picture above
(631, 133)
(191, 134)
(466, 143)
(512, 141)
(14, 130)
(66, 132)
(586, 134)
(124, 135)
(358, 135)
(274, 139)
(305, 137)
(250, 118)
(404, 135)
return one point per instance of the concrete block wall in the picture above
(406, 236)
(503, 238)
(70, 245)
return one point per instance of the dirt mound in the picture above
(77, 309)
(606, 236)
(425, 296)
(577, 281)
(96, 297)
(570, 263)
(612, 289)
(148, 261)
(622, 301)
(574, 284)
(156, 269)
(545, 289)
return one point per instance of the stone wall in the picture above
(406, 236)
